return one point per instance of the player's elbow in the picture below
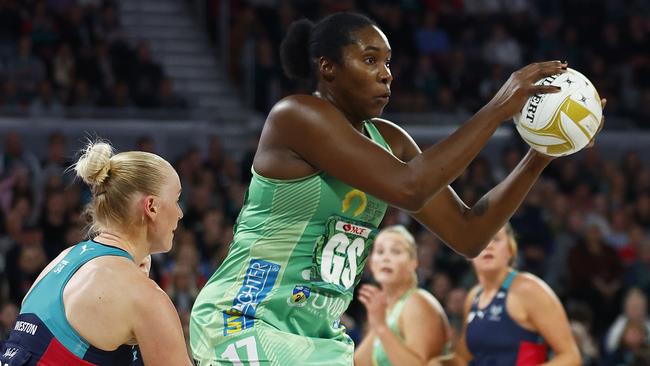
(410, 198)
(573, 357)
(470, 248)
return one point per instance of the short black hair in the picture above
(306, 41)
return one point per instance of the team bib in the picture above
(340, 255)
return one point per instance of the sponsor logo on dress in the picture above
(348, 228)
(495, 313)
(299, 296)
(258, 281)
(10, 352)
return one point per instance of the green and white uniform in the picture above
(379, 357)
(298, 251)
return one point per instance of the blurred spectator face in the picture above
(166, 88)
(24, 47)
(643, 205)
(32, 259)
(121, 94)
(45, 91)
(560, 204)
(631, 162)
(441, 286)
(182, 279)
(644, 254)
(594, 235)
(496, 256)
(144, 52)
(392, 262)
(213, 224)
(32, 237)
(72, 196)
(188, 255)
(56, 148)
(55, 204)
(8, 315)
(635, 306)
(456, 302)
(145, 143)
(21, 208)
(73, 235)
(201, 198)
(619, 220)
(636, 236)
(13, 145)
(634, 336)
(54, 182)
(576, 222)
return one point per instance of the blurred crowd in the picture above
(584, 229)
(452, 55)
(73, 53)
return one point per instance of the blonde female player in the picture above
(512, 318)
(92, 305)
(407, 325)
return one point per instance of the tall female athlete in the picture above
(324, 172)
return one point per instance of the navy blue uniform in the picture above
(42, 335)
(495, 339)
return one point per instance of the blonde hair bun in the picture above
(94, 165)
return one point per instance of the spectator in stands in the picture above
(634, 347)
(46, 103)
(26, 70)
(146, 76)
(595, 276)
(24, 263)
(635, 309)
(8, 314)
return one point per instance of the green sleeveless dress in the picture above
(379, 357)
(298, 251)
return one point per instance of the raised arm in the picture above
(314, 132)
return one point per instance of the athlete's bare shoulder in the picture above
(303, 109)
(528, 286)
(401, 143)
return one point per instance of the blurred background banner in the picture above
(192, 80)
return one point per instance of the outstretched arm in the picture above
(310, 130)
(468, 230)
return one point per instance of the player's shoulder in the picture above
(387, 127)
(120, 274)
(402, 144)
(528, 286)
(419, 303)
(301, 106)
(423, 299)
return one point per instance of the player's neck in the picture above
(491, 281)
(355, 120)
(124, 242)
(395, 291)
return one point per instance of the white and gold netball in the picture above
(562, 123)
